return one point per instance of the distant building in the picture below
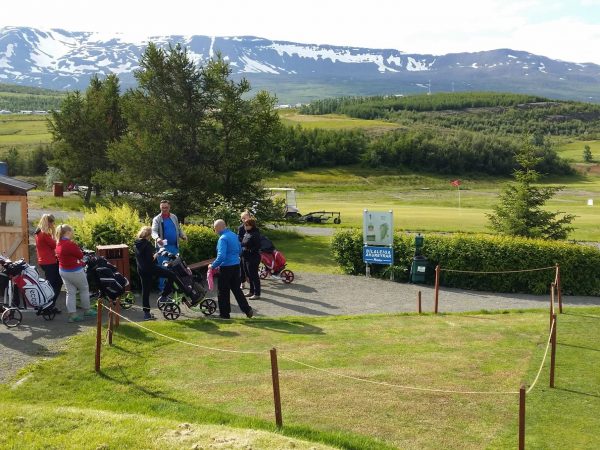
(5, 111)
(40, 112)
(26, 111)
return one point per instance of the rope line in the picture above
(215, 349)
(350, 377)
(497, 271)
(383, 383)
(543, 359)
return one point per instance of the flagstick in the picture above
(458, 196)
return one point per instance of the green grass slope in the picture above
(149, 386)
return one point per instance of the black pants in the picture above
(54, 278)
(147, 277)
(243, 276)
(251, 264)
(229, 280)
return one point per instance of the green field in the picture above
(23, 131)
(573, 151)
(332, 121)
(150, 387)
(429, 202)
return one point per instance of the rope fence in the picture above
(487, 272)
(554, 289)
(551, 343)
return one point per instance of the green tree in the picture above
(520, 212)
(191, 133)
(587, 154)
(83, 129)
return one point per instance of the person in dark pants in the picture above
(45, 245)
(148, 270)
(251, 257)
(241, 232)
(228, 263)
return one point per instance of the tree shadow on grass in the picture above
(206, 326)
(124, 380)
(284, 326)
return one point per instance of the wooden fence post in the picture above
(437, 288)
(419, 302)
(558, 288)
(552, 289)
(553, 353)
(522, 417)
(276, 393)
(98, 334)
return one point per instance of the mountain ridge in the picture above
(65, 60)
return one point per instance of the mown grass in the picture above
(311, 254)
(23, 131)
(332, 121)
(427, 202)
(145, 375)
(573, 151)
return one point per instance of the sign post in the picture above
(378, 239)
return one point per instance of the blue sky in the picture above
(568, 30)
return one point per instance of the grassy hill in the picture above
(156, 393)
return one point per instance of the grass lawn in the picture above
(303, 253)
(573, 151)
(23, 131)
(149, 386)
(332, 121)
(424, 202)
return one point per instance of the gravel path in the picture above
(308, 295)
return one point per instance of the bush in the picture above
(580, 265)
(201, 243)
(108, 225)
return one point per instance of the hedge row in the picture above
(580, 265)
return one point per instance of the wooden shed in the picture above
(14, 229)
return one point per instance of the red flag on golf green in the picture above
(455, 183)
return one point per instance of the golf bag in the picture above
(37, 291)
(103, 276)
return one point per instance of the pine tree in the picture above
(587, 154)
(520, 212)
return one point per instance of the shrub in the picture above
(53, 174)
(201, 243)
(580, 265)
(107, 225)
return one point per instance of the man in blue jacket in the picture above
(228, 262)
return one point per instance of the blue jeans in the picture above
(161, 259)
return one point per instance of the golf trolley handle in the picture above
(166, 254)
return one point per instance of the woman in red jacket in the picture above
(45, 245)
(70, 267)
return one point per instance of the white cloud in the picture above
(559, 29)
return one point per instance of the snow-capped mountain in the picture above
(61, 59)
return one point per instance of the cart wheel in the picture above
(263, 273)
(171, 311)
(287, 276)
(337, 221)
(127, 300)
(208, 306)
(12, 317)
(49, 315)
(162, 301)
